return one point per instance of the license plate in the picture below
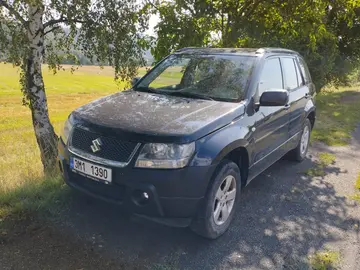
(91, 170)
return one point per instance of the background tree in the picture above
(325, 32)
(105, 31)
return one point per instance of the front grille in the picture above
(110, 148)
(113, 191)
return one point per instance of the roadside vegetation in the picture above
(325, 159)
(356, 195)
(324, 260)
(337, 115)
(39, 195)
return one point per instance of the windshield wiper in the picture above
(146, 89)
(172, 93)
(188, 94)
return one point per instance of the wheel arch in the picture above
(311, 116)
(239, 154)
(229, 143)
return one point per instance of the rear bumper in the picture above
(171, 193)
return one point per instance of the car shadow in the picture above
(282, 216)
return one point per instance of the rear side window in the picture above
(304, 70)
(290, 76)
(271, 76)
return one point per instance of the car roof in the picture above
(235, 51)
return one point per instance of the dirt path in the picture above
(30, 245)
(342, 176)
(284, 217)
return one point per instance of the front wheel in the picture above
(220, 202)
(299, 153)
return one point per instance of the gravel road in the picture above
(284, 216)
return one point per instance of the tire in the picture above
(207, 224)
(299, 153)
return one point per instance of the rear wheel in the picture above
(299, 153)
(220, 201)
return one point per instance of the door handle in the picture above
(287, 106)
(307, 95)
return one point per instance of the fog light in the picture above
(140, 197)
(145, 195)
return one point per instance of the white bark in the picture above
(35, 89)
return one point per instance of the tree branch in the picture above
(13, 12)
(51, 30)
(61, 20)
(52, 22)
(153, 5)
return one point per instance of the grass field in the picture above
(65, 91)
(21, 182)
(20, 166)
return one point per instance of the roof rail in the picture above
(274, 50)
(186, 48)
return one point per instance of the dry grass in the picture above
(20, 165)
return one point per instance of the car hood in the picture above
(154, 117)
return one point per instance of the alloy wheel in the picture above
(224, 200)
(304, 140)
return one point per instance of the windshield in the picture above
(219, 77)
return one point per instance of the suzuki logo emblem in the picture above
(96, 145)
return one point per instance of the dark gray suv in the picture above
(182, 142)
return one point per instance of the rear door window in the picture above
(290, 76)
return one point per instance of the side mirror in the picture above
(135, 80)
(274, 98)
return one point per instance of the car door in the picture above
(298, 94)
(271, 128)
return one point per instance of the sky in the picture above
(154, 19)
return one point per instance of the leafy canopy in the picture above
(325, 32)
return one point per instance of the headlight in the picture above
(165, 156)
(67, 128)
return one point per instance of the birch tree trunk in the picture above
(35, 89)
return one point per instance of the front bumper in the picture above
(171, 193)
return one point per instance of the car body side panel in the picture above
(271, 158)
(297, 112)
(270, 131)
